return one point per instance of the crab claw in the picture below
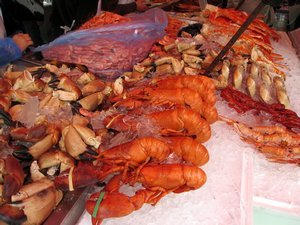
(53, 158)
(26, 82)
(92, 101)
(13, 176)
(86, 78)
(87, 135)
(93, 87)
(5, 85)
(15, 111)
(32, 189)
(54, 81)
(33, 134)
(12, 215)
(75, 140)
(12, 75)
(40, 205)
(22, 154)
(38, 73)
(40, 147)
(68, 90)
(18, 96)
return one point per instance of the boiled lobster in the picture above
(174, 122)
(158, 180)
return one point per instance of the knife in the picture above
(70, 208)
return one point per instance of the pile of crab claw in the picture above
(63, 128)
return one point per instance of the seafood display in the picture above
(101, 48)
(103, 19)
(277, 112)
(64, 127)
(276, 142)
(256, 68)
(48, 113)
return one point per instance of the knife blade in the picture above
(70, 208)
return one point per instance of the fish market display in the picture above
(276, 142)
(48, 114)
(64, 128)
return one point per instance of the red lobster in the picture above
(174, 122)
(158, 180)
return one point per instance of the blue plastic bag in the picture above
(110, 50)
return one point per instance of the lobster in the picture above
(203, 85)
(158, 180)
(139, 151)
(108, 209)
(43, 141)
(173, 122)
(166, 97)
(136, 153)
(159, 96)
(189, 150)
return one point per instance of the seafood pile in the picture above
(177, 111)
(172, 29)
(277, 143)
(113, 56)
(64, 128)
(48, 116)
(251, 65)
(277, 112)
(105, 50)
(182, 57)
(38, 131)
(103, 19)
